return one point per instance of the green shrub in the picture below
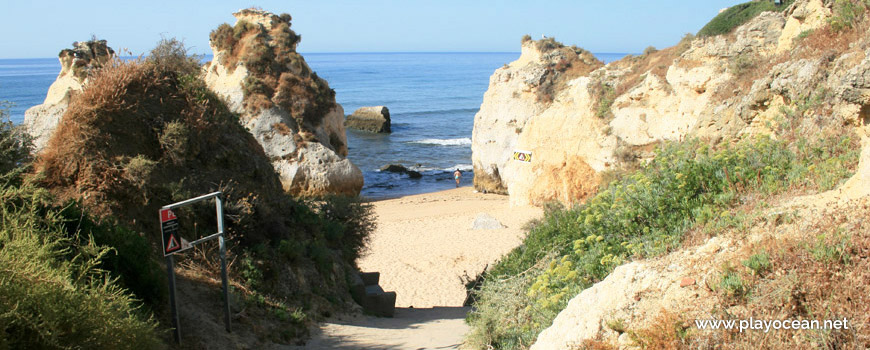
(353, 222)
(737, 15)
(606, 96)
(54, 292)
(846, 14)
(641, 214)
(831, 250)
(129, 259)
(758, 263)
(171, 54)
(731, 284)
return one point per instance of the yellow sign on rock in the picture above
(523, 156)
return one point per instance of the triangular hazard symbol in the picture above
(173, 244)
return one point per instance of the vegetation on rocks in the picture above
(564, 63)
(736, 15)
(279, 75)
(64, 280)
(148, 132)
(643, 214)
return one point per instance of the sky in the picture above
(36, 29)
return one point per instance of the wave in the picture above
(461, 167)
(465, 141)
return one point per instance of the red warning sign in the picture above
(166, 215)
(169, 228)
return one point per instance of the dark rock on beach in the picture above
(401, 169)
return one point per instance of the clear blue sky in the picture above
(33, 28)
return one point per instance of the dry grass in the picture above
(653, 62)
(666, 331)
(564, 64)
(282, 129)
(820, 273)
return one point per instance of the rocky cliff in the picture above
(800, 71)
(290, 110)
(76, 66)
(595, 120)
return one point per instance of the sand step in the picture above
(374, 300)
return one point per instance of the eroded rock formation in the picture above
(372, 119)
(76, 65)
(289, 109)
(579, 122)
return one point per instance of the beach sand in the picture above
(422, 247)
(424, 244)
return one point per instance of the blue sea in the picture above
(432, 99)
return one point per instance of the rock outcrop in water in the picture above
(580, 119)
(76, 65)
(289, 109)
(372, 119)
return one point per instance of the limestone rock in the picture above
(76, 65)
(484, 221)
(290, 111)
(372, 119)
(690, 91)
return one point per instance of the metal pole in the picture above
(219, 204)
(173, 305)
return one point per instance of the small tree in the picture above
(172, 54)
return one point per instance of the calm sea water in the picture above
(432, 99)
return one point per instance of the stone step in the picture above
(375, 289)
(375, 301)
(370, 278)
(381, 304)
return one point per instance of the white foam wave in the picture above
(461, 167)
(445, 142)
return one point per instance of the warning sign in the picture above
(523, 156)
(169, 227)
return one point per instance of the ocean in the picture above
(432, 99)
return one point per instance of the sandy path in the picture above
(422, 247)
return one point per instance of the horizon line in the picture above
(354, 52)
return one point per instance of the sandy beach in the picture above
(425, 243)
(422, 247)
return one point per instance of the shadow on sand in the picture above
(410, 328)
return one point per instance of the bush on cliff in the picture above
(145, 133)
(737, 15)
(278, 74)
(55, 291)
(61, 285)
(642, 214)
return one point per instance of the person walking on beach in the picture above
(456, 176)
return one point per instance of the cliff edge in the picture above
(595, 120)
